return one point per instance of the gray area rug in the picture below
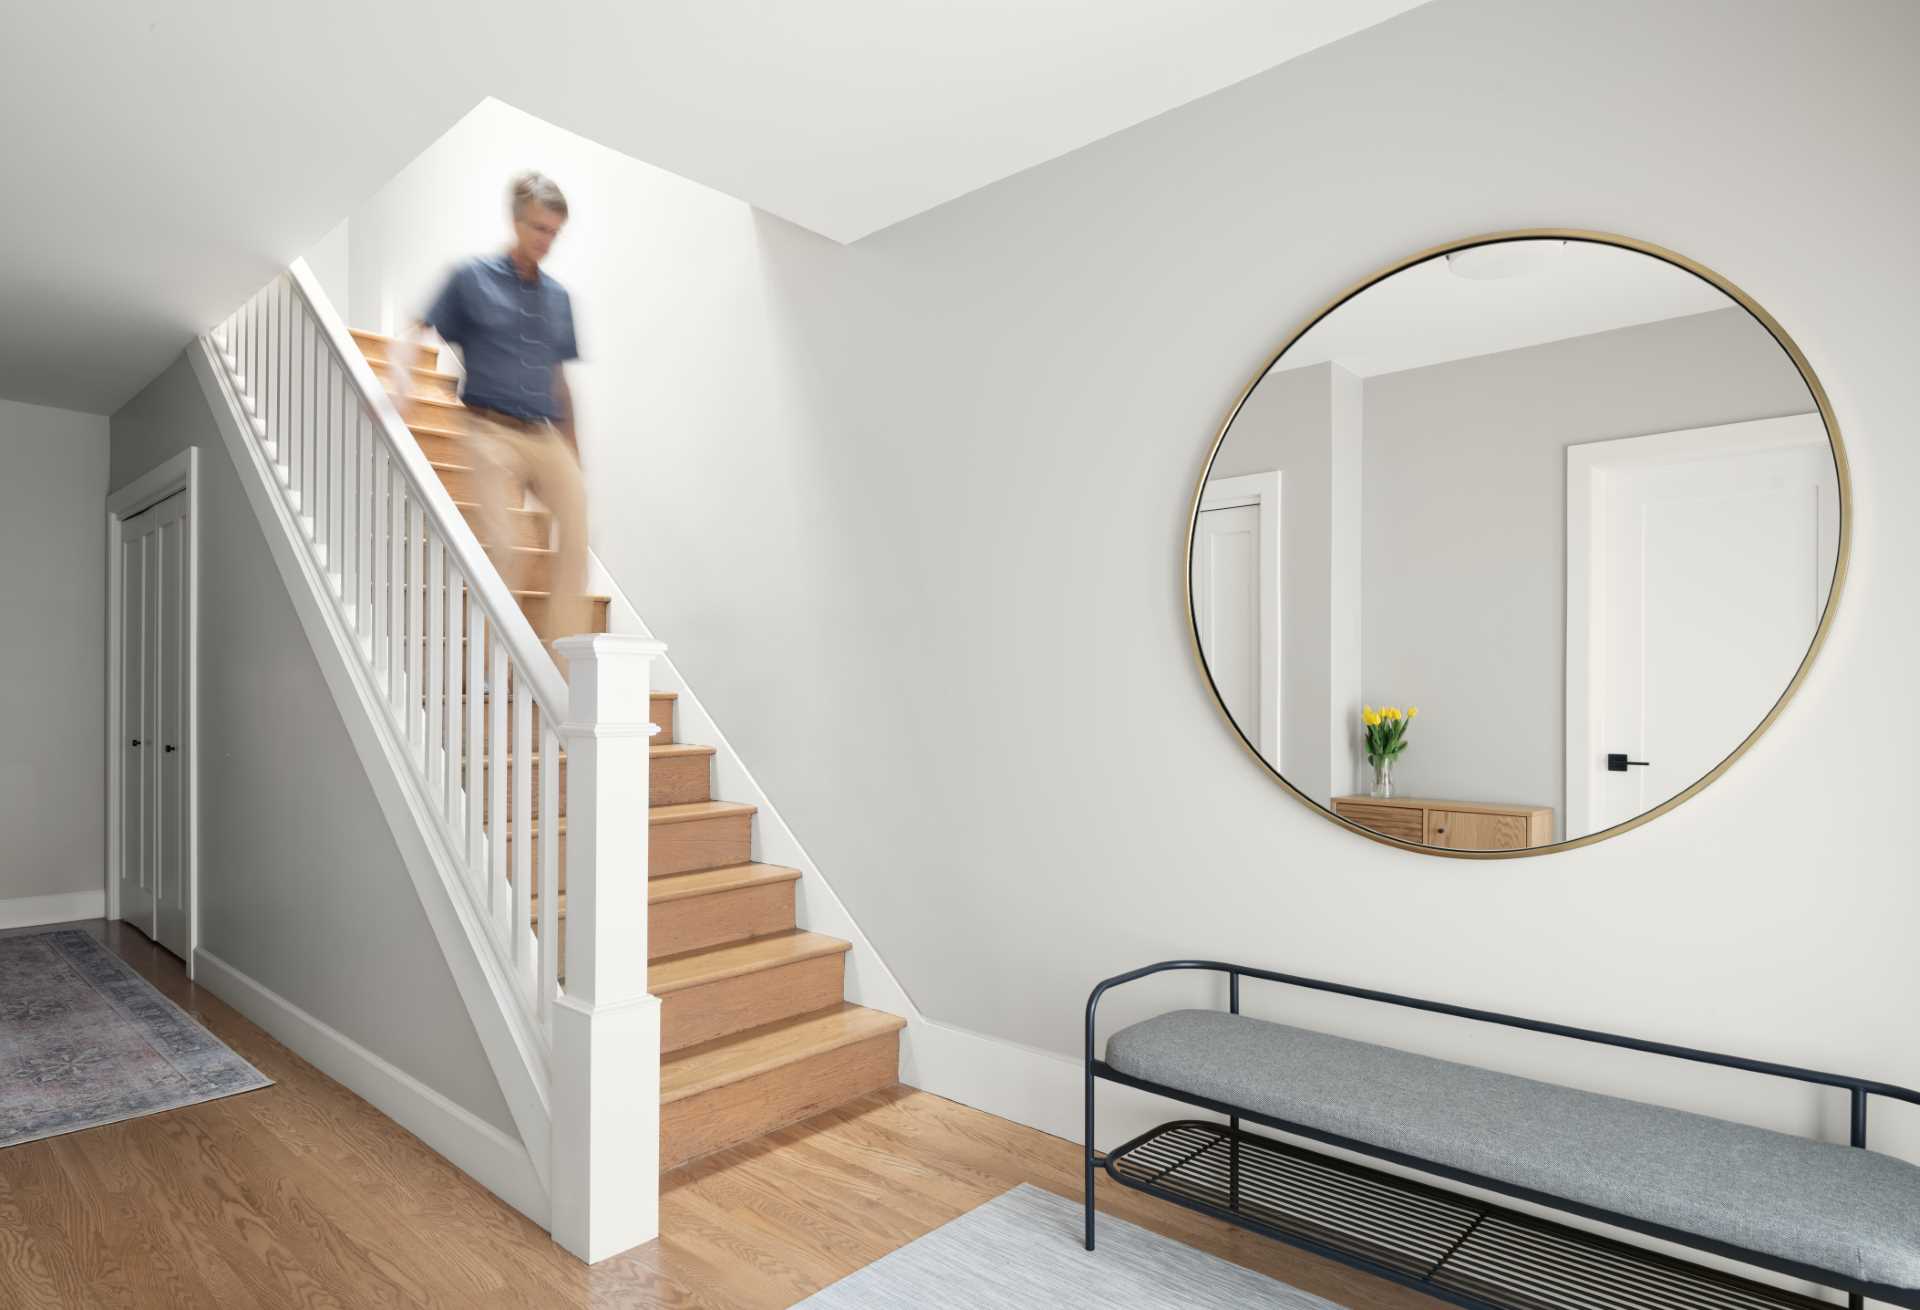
(85, 1041)
(1023, 1250)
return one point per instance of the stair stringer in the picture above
(512, 1049)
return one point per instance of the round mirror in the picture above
(1518, 544)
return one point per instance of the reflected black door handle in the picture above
(1615, 763)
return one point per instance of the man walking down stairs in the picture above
(513, 326)
(755, 1033)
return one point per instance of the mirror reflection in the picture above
(1515, 544)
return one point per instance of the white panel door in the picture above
(172, 911)
(136, 848)
(1712, 558)
(1226, 604)
(155, 884)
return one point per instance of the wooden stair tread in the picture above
(748, 1054)
(423, 416)
(523, 550)
(666, 748)
(435, 402)
(705, 882)
(476, 507)
(697, 968)
(658, 695)
(419, 370)
(708, 882)
(542, 595)
(694, 811)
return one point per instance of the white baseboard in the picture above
(1039, 1089)
(494, 1159)
(60, 907)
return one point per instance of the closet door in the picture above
(136, 745)
(155, 720)
(169, 763)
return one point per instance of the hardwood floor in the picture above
(303, 1195)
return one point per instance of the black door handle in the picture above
(172, 749)
(1617, 763)
(136, 741)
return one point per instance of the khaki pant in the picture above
(513, 460)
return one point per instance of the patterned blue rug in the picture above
(85, 1041)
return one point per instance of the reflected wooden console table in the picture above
(1451, 825)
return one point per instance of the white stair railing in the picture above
(472, 708)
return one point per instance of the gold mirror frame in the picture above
(1701, 271)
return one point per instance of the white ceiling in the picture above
(163, 157)
(1429, 314)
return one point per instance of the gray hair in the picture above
(536, 189)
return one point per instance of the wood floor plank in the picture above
(164, 1274)
(302, 1195)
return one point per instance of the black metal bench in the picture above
(1838, 1217)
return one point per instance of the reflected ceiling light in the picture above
(1502, 259)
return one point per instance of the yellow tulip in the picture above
(1368, 717)
(1391, 712)
(1412, 710)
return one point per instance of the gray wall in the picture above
(1465, 543)
(53, 561)
(301, 885)
(914, 532)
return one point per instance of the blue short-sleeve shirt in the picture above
(512, 334)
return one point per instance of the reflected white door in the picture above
(1707, 561)
(1235, 586)
(155, 887)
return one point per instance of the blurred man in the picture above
(513, 327)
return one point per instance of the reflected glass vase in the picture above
(1383, 777)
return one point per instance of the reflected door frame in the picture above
(1588, 465)
(179, 475)
(1261, 491)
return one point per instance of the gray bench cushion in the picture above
(1846, 1211)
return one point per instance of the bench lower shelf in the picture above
(1449, 1246)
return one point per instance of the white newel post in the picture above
(606, 1028)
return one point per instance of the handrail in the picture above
(529, 655)
(1862, 1086)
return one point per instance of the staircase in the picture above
(755, 1033)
